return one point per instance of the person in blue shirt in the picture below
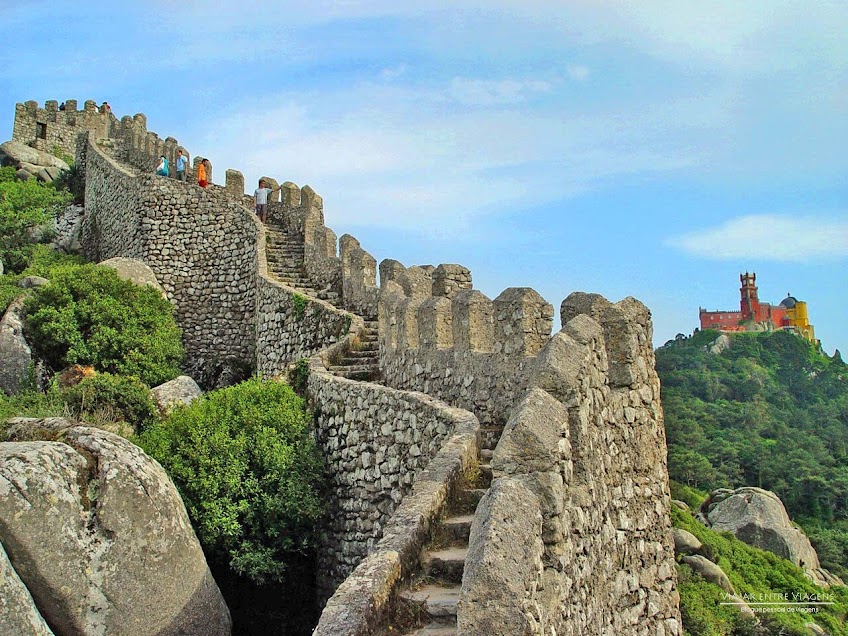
(182, 164)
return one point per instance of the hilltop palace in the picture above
(790, 314)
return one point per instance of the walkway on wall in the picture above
(429, 604)
(284, 255)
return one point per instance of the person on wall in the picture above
(182, 164)
(162, 168)
(261, 198)
(201, 174)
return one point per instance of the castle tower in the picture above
(749, 302)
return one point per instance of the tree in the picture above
(249, 473)
(88, 315)
(24, 207)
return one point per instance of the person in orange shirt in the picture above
(201, 174)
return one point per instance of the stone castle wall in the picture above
(580, 498)
(581, 481)
(376, 441)
(49, 128)
(439, 336)
(202, 249)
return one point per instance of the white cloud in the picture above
(769, 237)
(388, 155)
(578, 73)
(476, 92)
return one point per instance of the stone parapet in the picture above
(202, 248)
(382, 444)
(360, 604)
(591, 450)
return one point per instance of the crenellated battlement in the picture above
(438, 309)
(47, 128)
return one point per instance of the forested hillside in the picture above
(769, 411)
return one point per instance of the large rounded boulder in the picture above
(135, 271)
(99, 536)
(15, 153)
(758, 518)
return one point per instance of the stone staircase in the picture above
(284, 256)
(428, 607)
(362, 360)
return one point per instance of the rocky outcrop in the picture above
(719, 345)
(15, 354)
(31, 162)
(180, 390)
(130, 562)
(134, 270)
(67, 227)
(758, 518)
(709, 571)
(685, 542)
(18, 613)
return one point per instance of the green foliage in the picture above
(122, 398)
(752, 572)
(299, 376)
(57, 152)
(42, 260)
(299, 302)
(30, 404)
(690, 496)
(772, 411)
(831, 543)
(24, 206)
(249, 473)
(72, 180)
(88, 315)
(700, 606)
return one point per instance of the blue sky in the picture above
(653, 149)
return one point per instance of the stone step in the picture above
(370, 361)
(445, 565)
(353, 367)
(455, 530)
(466, 500)
(485, 476)
(437, 602)
(360, 354)
(435, 630)
(490, 436)
(363, 376)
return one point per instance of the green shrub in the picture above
(24, 206)
(73, 181)
(124, 398)
(248, 471)
(692, 497)
(42, 260)
(87, 315)
(299, 376)
(299, 301)
(30, 404)
(57, 152)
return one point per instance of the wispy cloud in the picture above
(578, 72)
(477, 92)
(769, 237)
(405, 157)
